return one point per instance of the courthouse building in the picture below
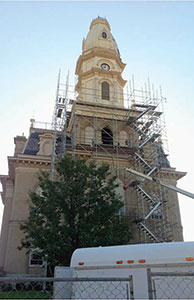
(105, 123)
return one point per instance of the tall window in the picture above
(107, 136)
(105, 90)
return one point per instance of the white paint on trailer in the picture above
(153, 254)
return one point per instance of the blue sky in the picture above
(155, 39)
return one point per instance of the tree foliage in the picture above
(79, 209)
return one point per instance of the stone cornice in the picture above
(30, 159)
(94, 70)
(172, 173)
(101, 52)
(27, 160)
(105, 106)
(82, 108)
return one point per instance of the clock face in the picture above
(105, 67)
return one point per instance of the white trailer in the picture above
(130, 261)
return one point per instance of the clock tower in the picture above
(99, 67)
(101, 127)
(99, 92)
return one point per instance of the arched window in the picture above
(107, 136)
(105, 90)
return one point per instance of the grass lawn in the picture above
(25, 295)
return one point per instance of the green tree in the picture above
(78, 209)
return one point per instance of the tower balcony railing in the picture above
(41, 125)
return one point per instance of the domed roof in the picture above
(100, 35)
(100, 20)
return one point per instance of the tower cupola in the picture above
(99, 67)
(100, 36)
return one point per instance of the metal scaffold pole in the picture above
(64, 134)
(55, 127)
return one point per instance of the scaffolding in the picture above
(130, 136)
(59, 121)
(152, 208)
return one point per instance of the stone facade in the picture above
(99, 127)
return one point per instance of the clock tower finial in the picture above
(100, 67)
